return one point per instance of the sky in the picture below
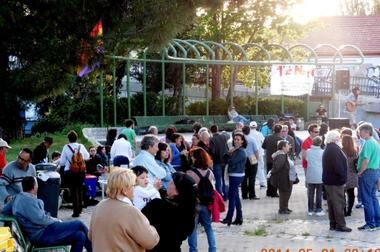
(311, 9)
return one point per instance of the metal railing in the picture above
(370, 87)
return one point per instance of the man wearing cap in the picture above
(41, 153)
(13, 173)
(3, 154)
(260, 162)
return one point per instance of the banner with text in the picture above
(292, 80)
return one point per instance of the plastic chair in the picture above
(22, 240)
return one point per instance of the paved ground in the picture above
(266, 231)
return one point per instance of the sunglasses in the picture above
(24, 160)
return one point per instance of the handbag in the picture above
(378, 184)
(252, 159)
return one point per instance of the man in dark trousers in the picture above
(40, 153)
(219, 148)
(270, 146)
(39, 226)
(334, 177)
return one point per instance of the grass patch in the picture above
(59, 140)
(305, 234)
(278, 221)
(260, 231)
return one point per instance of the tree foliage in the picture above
(41, 40)
(250, 21)
(360, 7)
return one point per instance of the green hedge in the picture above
(87, 111)
(247, 106)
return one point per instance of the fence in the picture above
(370, 87)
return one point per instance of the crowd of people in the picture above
(160, 195)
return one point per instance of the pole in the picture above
(207, 85)
(145, 113)
(232, 86)
(183, 88)
(256, 91)
(282, 98)
(101, 100)
(127, 67)
(114, 91)
(333, 90)
(163, 84)
(307, 106)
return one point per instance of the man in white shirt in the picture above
(259, 139)
(121, 147)
(74, 180)
(149, 148)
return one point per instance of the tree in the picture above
(42, 40)
(360, 7)
(250, 21)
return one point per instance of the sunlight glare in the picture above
(308, 10)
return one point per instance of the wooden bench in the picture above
(21, 240)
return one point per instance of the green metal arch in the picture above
(177, 51)
(249, 45)
(308, 48)
(337, 52)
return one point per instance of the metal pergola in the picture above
(194, 52)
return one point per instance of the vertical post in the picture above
(127, 67)
(145, 113)
(256, 90)
(183, 88)
(232, 86)
(163, 83)
(207, 85)
(282, 101)
(101, 100)
(114, 91)
(333, 90)
(307, 106)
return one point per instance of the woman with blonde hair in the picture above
(126, 229)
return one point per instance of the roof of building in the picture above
(361, 31)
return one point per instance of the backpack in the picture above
(77, 163)
(205, 188)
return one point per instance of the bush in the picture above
(247, 106)
(48, 124)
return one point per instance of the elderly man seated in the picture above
(40, 227)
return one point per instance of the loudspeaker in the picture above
(342, 79)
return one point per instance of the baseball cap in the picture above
(4, 143)
(253, 124)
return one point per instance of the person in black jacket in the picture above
(173, 217)
(40, 153)
(219, 148)
(334, 177)
(280, 175)
(270, 146)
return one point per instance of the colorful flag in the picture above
(97, 31)
(90, 52)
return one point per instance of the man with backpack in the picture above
(74, 170)
(204, 178)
